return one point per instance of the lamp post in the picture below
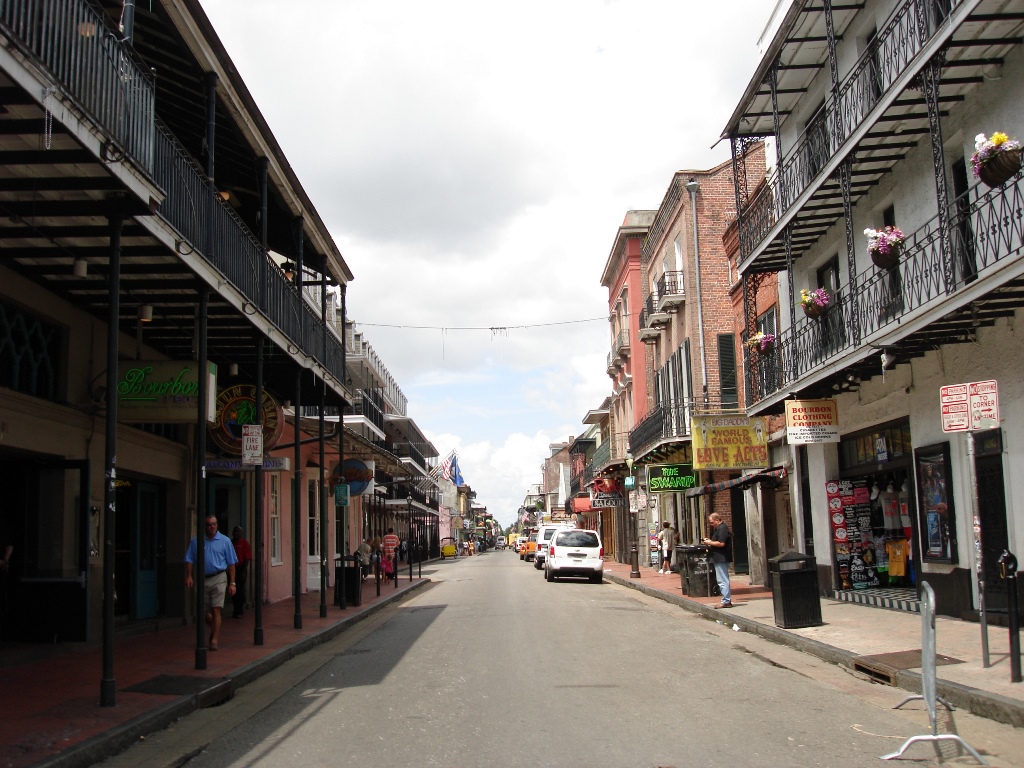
(408, 549)
(634, 555)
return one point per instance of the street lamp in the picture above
(634, 555)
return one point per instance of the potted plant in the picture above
(885, 246)
(814, 302)
(761, 342)
(995, 159)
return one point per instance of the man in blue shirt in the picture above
(220, 562)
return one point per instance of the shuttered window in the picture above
(727, 375)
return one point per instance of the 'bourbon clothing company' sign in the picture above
(812, 421)
(729, 442)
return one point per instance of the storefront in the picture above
(871, 505)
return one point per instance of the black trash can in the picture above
(353, 580)
(696, 571)
(794, 579)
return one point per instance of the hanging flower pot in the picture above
(884, 260)
(1000, 168)
(813, 311)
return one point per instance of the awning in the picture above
(580, 504)
(743, 481)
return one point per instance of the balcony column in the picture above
(773, 82)
(210, 83)
(322, 445)
(930, 77)
(200, 474)
(257, 533)
(264, 165)
(297, 527)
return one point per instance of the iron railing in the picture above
(986, 228)
(620, 345)
(613, 449)
(212, 231)
(96, 68)
(666, 421)
(890, 54)
(670, 284)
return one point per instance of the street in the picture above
(492, 665)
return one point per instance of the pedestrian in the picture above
(244, 554)
(667, 544)
(365, 552)
(390, 545)
(720, 545)
(388, 567)
(403, 550)
(220, 562)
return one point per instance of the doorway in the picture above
(138, 549)
(988, 466)
(227, 502)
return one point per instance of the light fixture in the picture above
(146, 313)
(289, 270)
(87, 29)
(233, 369)
(81, 267)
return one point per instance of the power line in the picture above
(491, 328)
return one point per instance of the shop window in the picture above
(313, 518)
(30, 353)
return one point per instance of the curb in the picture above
(119, 738)
(992, 706)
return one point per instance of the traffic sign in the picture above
(252, 444)
(970, 406)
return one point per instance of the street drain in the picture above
(884, 667)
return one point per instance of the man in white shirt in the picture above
(667, 543)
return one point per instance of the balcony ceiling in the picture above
(55, 198)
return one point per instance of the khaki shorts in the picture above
(216, 589)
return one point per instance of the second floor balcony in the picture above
(666, 422)
(611, 451)
(945, 286)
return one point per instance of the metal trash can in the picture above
(696, 572)
(353, 580)
(795, 595)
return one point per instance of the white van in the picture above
(544, 534)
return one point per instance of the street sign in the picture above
(970, 406)
(252, 444)
(341, 495)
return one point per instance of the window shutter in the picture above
(727, 376)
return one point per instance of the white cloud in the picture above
(473, 161)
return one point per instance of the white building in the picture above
(874, 108)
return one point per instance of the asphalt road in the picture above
(493, 666)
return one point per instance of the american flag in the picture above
(444, 469)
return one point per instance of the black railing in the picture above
(95, 66)
(229, 246)
(986, 228)
(890, 54)
(368, 405)
(670, 284)
(666, 421)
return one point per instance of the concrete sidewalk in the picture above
(851, 630)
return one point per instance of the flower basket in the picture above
(1000, 168)
(813, 311)
(886, 260)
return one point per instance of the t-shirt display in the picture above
(849, 504)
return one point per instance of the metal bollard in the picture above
(409, 556)
(1008, 571)
(376, 570)
(419, 551)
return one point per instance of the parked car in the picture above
(529, 550)
(544, 534)
(575, 552)
(520, 541)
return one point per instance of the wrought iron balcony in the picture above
(612, 365)
(100, 72)
(612, 450)
(655, 313)
(649, 332)
(667, 421)
(620, 345)
(670, 292)
(986, 233)
(891, 53)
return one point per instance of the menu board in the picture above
(849, 507)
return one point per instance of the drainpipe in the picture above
(692, 186)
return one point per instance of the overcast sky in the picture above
(473, 160)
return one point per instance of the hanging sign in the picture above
(161, 391)
(341, 495)
(357, 474)
(812, 421)
(670, 478)
(236, 407)
(729, 442)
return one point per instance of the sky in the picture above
(473, 160)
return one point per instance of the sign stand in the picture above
(928, 685)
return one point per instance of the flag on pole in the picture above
(456, 474)
(445, 467)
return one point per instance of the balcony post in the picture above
(773, 81)
(930, 76)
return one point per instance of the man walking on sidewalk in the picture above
(220, 559)
(721, 555)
